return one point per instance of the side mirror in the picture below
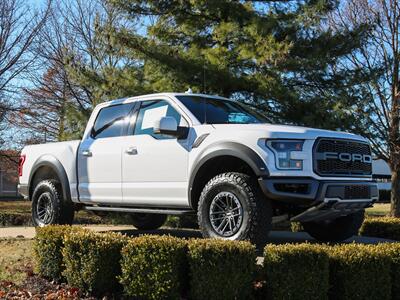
(166, 125)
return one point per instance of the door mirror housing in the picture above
(166, 125)
(169, 126)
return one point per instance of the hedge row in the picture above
(383, 227)
(164, 267)
(146, 267)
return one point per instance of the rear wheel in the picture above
(232, 207)
(48, 206)
(148, 221)
(336, 230)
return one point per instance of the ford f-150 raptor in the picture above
(181, 153)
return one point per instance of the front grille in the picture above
(356, 192)
(332, 166)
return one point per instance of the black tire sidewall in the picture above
(42, 188)
(337, 230)
(148, 221)
(242, 196)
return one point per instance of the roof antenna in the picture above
(204, 77)
(189, 91)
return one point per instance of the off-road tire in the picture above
(62, 209)
(148, 221)
(257, 212)
(336, 230)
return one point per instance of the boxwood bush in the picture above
(296, 272)
(359, 272)
(154, 267)
(92, 260)
(392, 250)
(383, 227)
(47, 250)
(221, 269)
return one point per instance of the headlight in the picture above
(285, 153)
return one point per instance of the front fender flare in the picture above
(240, 151)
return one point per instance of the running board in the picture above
(139, 210)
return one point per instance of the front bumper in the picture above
(324, 199)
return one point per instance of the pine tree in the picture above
(276, 55)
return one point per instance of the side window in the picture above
(150, 112)
(110, 121)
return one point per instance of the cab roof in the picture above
(146, 96)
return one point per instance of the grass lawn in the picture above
(379, 210)
(23, 208)
(16, 260)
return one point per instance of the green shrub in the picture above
(221, 269)
(359, 272)
(15, 219)
(92, 260)
(392, 250)
(296, 272)
(382, 227)
(185, 221)
(154, 267)
(296, 227)
(47, 249)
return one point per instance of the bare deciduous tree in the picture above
(74, 41)
(19, 27)
(377, 108)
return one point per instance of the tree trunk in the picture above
(395, 192)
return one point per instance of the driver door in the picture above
(154, 166)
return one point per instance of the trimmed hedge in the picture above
(359, 272)
(15, 219)
(47, 250)
(164, 267)
(296, 272)
(392, 250)
(221, 269)
(92, 260)
(382, 227)
(154, 267)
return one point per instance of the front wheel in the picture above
(336, 230)
(48, 206)
(144, 221)
(232, 207)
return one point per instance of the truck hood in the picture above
(288, 132)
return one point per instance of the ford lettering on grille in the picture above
(345, 156)
(342, 158)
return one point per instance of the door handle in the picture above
(86, 153)
(131, 151)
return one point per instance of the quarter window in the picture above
(111, 121)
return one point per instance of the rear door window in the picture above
(111, 121)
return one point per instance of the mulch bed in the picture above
(36, 288)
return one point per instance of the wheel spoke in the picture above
(217, 212)
(226, 224)
(216, 219)
(230, 225)
(220, 224)
(220, 207)
(225, 214)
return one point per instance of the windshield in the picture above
(220, 111)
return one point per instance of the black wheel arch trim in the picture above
(234, 149)
(53, 163)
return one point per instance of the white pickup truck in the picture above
(177, 153)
